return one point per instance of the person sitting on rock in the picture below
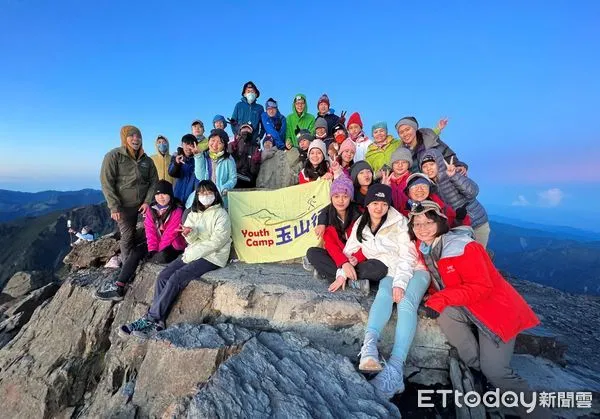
(331, 262)
(207, 230)
(86, 235)
(469, 291)
(162, 244)
(382, 233)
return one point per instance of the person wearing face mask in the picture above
(248, 111)
(182, 167)
(216, 165)
(128, 178)
(162, 159)
(207, 231)
(298, 120)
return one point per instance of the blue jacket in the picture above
(226, 176)
(185, 180)
(269, 124)
(244, 113)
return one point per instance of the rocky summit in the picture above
(247, 341)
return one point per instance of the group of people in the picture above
(403, 216)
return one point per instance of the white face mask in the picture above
(206, 200)
(250, 97)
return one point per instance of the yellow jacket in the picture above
(162, 162)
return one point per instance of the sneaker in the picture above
(389, 382)
(111, 293)
(369, 355)
(306, 264)
(143, 327)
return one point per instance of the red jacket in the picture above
(160, 240)
(471, 280)
(399, 198)
(335, 246)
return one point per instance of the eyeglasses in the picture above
(426, 224)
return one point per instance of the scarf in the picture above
(216, 156)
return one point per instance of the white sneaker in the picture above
(306, 264)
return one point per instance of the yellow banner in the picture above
(270, 226)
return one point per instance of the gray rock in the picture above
(22, 283)
(284, 376)
(92, 254)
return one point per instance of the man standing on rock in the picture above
(128, 178)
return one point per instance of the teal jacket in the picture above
(226, 176)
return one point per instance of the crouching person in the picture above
(331, 262)
(469, 291)
(382, 233)
(207, 230)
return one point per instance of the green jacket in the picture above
(378, 157)
(293, 121)
(127, 182)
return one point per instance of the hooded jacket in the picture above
(431, 139)
(295, 121)
(464, 276)
(162, 162)
(159, 239)
(391, 245)
(210, 237)
(377, 157)
(458, 190)
(127, 182)
(270, 125)
(184, 173)
(244, 113)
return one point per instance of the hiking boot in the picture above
(390, 381)
(143, 328)
(369, 355)
(306, 264)
(113, 292)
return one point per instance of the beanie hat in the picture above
(304, 135)
(251, 84)
(323, 98)
(378, 125)
(417, 179)
(379, 192)
(339, 126)
(320, 123)
(189, 139)
(427, 157)
(318, 144)
(342, 184)
(355, 119)
(426, 206)
(220, 118)
(221, 134)
(271, 103)
(267, 137)
(411, 121)
(348, 144)
(402, 153)
(164, 187)
(199, 122)
(358, 167)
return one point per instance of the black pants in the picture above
(167, 255)
(370, 269)
(127, 226)
(172, 280)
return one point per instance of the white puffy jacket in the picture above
(391, 245)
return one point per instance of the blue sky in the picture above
(518, 81)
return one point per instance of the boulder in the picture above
(22, 283)
(285, 376)
(92, 254)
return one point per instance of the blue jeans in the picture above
(406, 325)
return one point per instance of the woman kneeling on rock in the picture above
(471, 292)
(382, 233)
(207, 230)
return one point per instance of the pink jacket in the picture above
(157, 242)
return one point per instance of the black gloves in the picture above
(461, 213)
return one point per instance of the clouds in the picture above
(549, 198)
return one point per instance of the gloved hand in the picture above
(461, 213)
(232, 122)
(342, 119)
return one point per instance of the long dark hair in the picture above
(313, 173)
(206, 185)
(365, 220)
(160, 219)
(442, 224)
(352, 213)
(341, 161)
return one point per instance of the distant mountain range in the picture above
(15, 204)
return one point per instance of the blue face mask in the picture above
(163, 147)
(250, 97)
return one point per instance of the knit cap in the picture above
(378, 125)
(411, 121)
(379, 192)
(164, 187)
(358, 167)
(348, 144)
(342, 184)
(402, 153)
(355, 119)
(318, 144)
(268, 137)
(304, 135)
(323, 98)
(320, 123)
(417, 179)
(271, 103)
